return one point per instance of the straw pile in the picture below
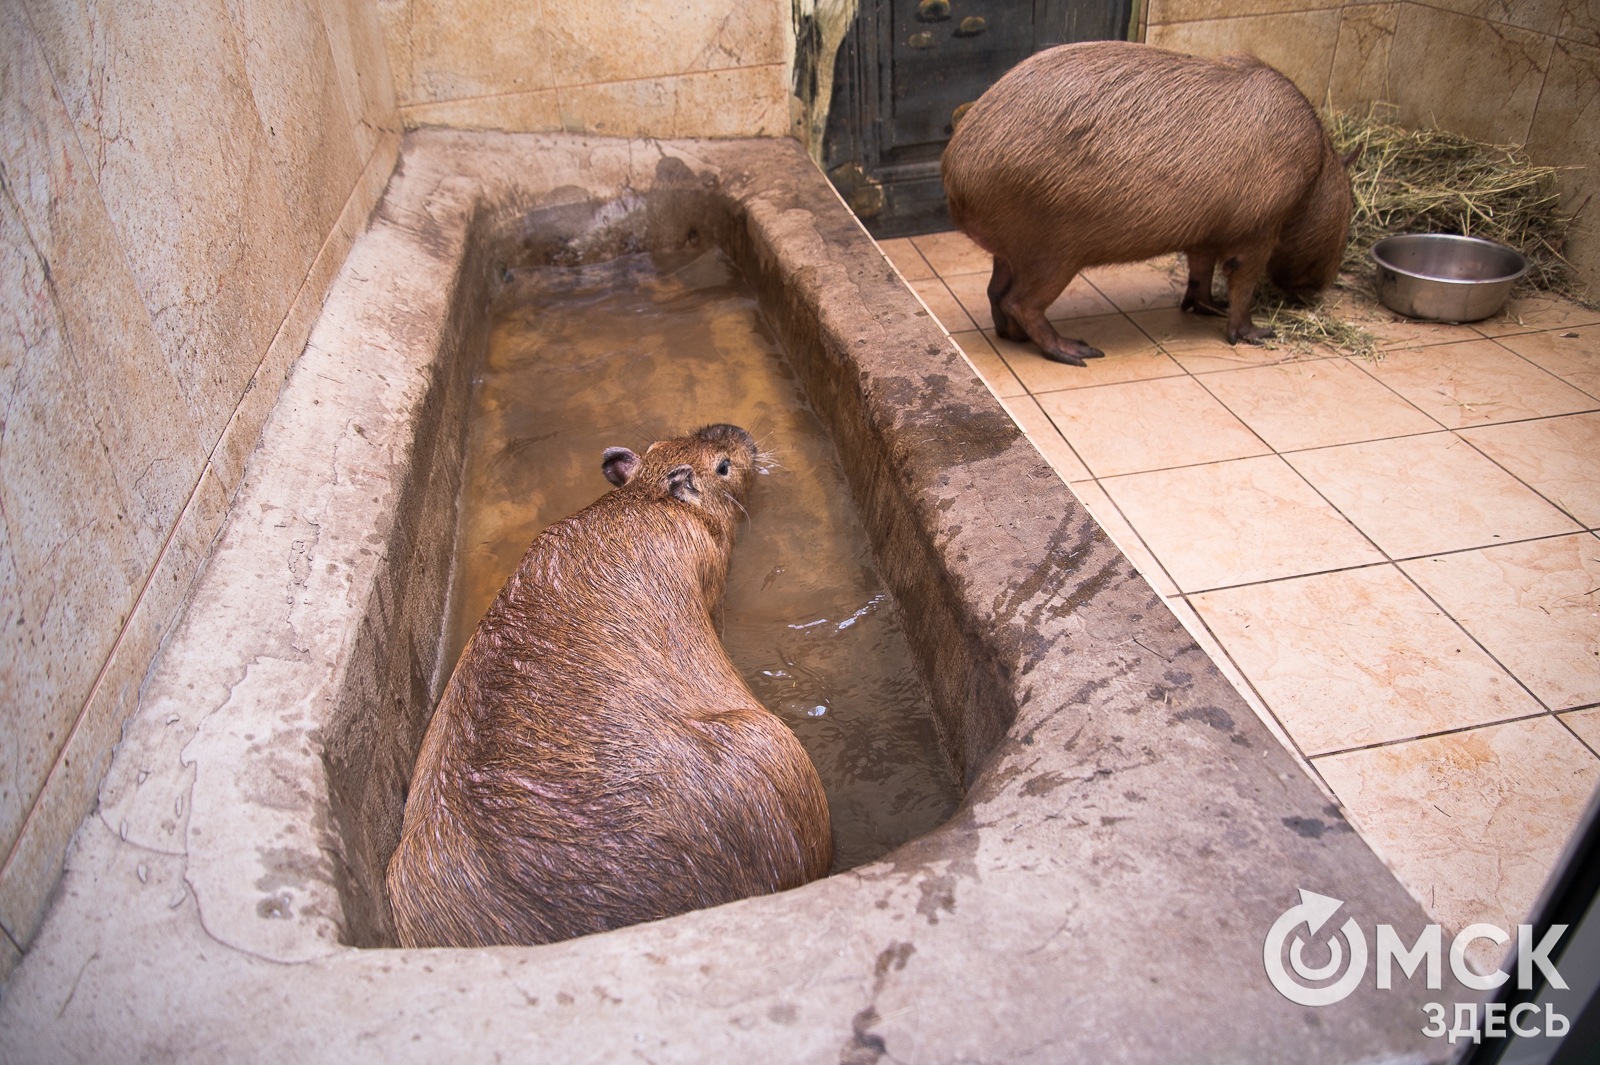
(1429, 181)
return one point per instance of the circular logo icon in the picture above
(1313, 912)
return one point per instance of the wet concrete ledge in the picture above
(1131, 829)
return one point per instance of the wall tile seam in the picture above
(56, 766)
(1239, 18)
(190, 502)
(583, 85)
(138, 600)
(1479, 18)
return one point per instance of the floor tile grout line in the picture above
(1305, 480)
(1162, 566)
(1496, 341)
(1568, 726)
(1186, 597)
(1395, 561)
(1473, 637)
(1513, 475)
(912, 244)
(1425, 736)
(1295, 749)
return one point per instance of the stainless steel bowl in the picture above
(1445, 278)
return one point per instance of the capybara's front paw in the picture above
(1253, 334)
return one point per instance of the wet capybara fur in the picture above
(596, 760)
(1111, 152)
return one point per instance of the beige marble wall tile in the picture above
(733, 102)
(1165, 11)
(1580, 21)
(1148, 425)
(1558, 457)
(990, 366)
(451, 49)
(903, 253)
(1360, 73)
(244, 426)
(185, 168)
(1300, 45)
(1534, 606)
(130, 392)
(1425, 494)
(1566, 124)
(1472, 822)
(70, 557)
(1476, 383)
(1492, 97)
(355, 39)
(1129, 356)
(518, 112)
(34, 862)
(296, 89)
(1315, 403)
(1359, 657)
(952, 253)
(1537, 16)
(595, 41)
(1092, 496)
(1231, 523)
(1566, 132)
(1032, 419)
(97, 454)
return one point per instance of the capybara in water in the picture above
(596, 760)
(1111, 152)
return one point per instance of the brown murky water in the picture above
(644, 348)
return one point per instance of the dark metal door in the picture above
(904, 69)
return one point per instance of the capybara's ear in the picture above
(680, 482)
(619, 464)
(1355, 153)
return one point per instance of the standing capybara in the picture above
(1110, 152)
(596, 760)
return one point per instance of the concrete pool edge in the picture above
(1128, 838)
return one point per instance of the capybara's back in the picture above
(596, 760)
(1110, 152)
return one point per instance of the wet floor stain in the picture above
(643, 348)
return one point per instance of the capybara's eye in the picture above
(723, 467)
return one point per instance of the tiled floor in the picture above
(1395, 560)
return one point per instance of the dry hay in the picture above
(1429, 181)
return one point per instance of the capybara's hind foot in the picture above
(1072, 352)
(1253, 334)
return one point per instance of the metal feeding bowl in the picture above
(1445, 278)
